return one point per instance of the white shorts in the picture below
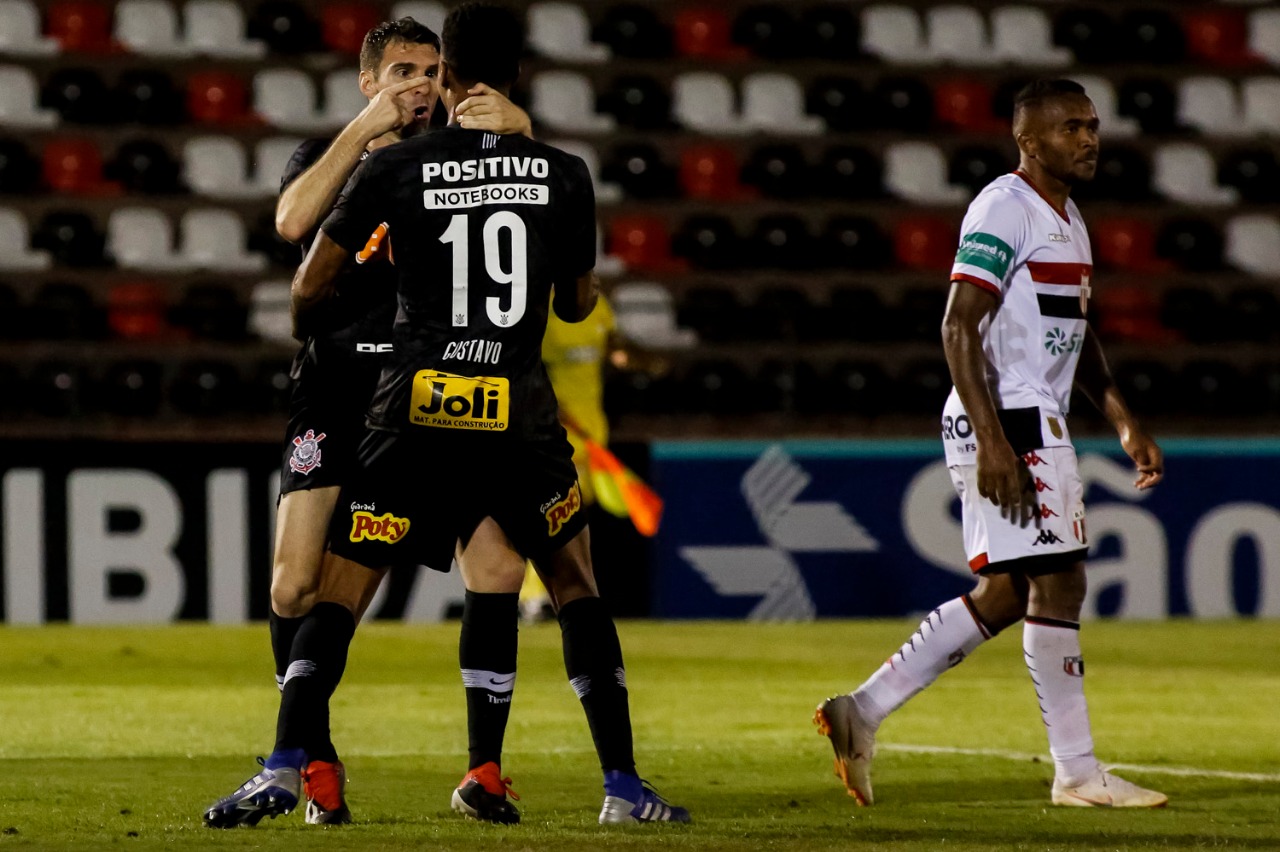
(995, 544)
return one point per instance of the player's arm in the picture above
(575, 303)
(314, 282)
(488, 109)
(1002, 477)
(307, 199)
(1093, 378)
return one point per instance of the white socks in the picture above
(1052, 651)
(946, 636)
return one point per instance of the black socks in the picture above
(487, 657)
(316, 663)
(593, 661)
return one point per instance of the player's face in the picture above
(402, 61)
(1066, 138)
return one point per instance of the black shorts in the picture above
(413, 497)
(326, 423)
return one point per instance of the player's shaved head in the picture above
(1034, 96)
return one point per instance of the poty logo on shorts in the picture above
(560, 511)
(306, 452)
(366, 527)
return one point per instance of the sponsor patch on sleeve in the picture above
(985, 251)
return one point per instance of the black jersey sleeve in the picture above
(578, 249)
(303, 158)
(359, 209)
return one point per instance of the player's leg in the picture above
(492, 571)
(302, 527)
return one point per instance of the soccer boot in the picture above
(269, 793)
(483, 795)
(854, 741)
(324, 784)
(629, 799)
(1105, 790)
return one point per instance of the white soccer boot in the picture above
(854, 741)
(1105, 790)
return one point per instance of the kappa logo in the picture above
(560, 511)
(1046, 512)
(306, 452)
(1031, 459)
(1047, 537)
(1042, 486)
(1073, 666)
(387, 528)
(1059, 238)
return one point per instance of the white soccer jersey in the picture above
(1036, 259)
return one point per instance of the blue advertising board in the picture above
(812, 529)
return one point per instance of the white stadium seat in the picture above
(958, 35)
(917, 171)
(216, 166)
(1264, 34)
(774, 103)
(286, 98)
(423, 11)
(1104, 100)
(1260, 103)
(142, 238)
(269, 312)
(19, 101)
(646, 315)
(704, 101)
(566, 101)
(20, 31)
(561, 31)
(217, 28)
(1253, 244)
(149, 27)
(1210, 104)
(215, 239)
(606, 193)
(1183, 171)
(16, 253)
(1023, 35)
(343, 99)
(895, 34)
(269, 160)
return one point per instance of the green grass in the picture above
(120, 737)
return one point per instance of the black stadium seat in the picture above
(849, 171)
(841, 102)
(1151, 101)
(18, 168)
(1088, 33)
(1123, 174)
(633, 31)
(58, 388)
(1254, 172)
(708, 242)
(778, 171)
(1213, 388)
(781, 313)
(1194, 312)
(148, 96)
(145, 166)
(132, 388)
(1253, 314)
(921, 387)
(62, 311)
(975, 166)
(781, 242)
(855, 387)
(715, 313)
(715, 386)
(12, 314)
(903, 103)
(71, 237)
(1148, 386)
(787, 387)
(79, 96)
(206, 389)
(638, 392)
(285, 27)
(271, 386)
(211, 311)
(856, 315)
(1193, 244)
(768, 31)
(830, 31)
(640, 170)
(1151, 36)
(851, 242)
(640, 103)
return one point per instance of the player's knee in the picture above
(292, 593)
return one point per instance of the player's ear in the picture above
(443, 75)
(368, 84)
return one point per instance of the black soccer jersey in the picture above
(481, 227)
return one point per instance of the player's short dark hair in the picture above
(483, 43)
(405, 29)
(1037, 92)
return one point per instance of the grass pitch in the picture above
(120, 737)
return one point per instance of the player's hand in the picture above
(489, 109)
(1003, 479)
(388, 110)
(1146, 455)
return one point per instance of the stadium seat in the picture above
(14, 322)
(916, 171)
(640, 171)
(958, 36)
(19, 102)
(1123, 174)
(839, 101)
(1263, 381)
(206, 389)
(965, 104)
(343, 99)
(606, 192)
(1210, 105)
(633, 31)
(703, 101)
(774, 103)
(1130, 313)
(1217, 36)
(427, 12)
(857, 387)
(211, 312)
(58, 389)
(1126, 243)
(1253, 314)
(1260, 103)
(895, 35)
(768, 31)
(286, 98)
(16, 253)
(830, 31)
(638, 102)
(778, 171)
(132, 388)
(1151, 102)
(73, 166)
(145, 166)
(147, 96)
(788, 387)
(1196, 313)
(851, 242)
(780, 241)
(925, 242)
(1254, 172)
(218, 28)
(285, 27)
(921, 387)
(847, 171)
(902, 103)
(61, 311)
(1004, 93)
(20, 31)
(343, 25)
(70, 238)
(1193, 244)
(1253, 244)
(80, 26)
(215, 166)
(715, 386)
(1023, 35)
(271, 387)
(1151, 36)
(856, 314)
(216, 97)
(215, 239)
(136, 311)
(18, 169)
(708, 242)
(639, 392)
(142, 238)
(709, 172)
(641, 242)
(1089, 33)
(1264, 34)
(975, 166)
(782, 313)
(1184, 171)
(1105, 103)
(270, 157)
(703, 32)
(1215, 388)
(919, 313)
(269, 318)
(149, 28)
(565, 101)
(714, 313)
(561, 31)
(646, 316)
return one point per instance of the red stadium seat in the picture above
(925, 242)
(216, 97)
(1218, 35)
(73, 166)
(1129, 244)
(965, 105)
(704, 32)
(1131, 313)
(641, 242)
(136, 311)
(80, 26)
(710, 172)
(343, 25)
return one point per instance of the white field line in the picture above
(1183, 771)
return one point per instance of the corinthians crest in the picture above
(306, 452)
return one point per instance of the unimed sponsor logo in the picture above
(986, 251)
(365, 526)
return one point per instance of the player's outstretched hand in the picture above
(1146, 454)
(1003, 479)
(387, 110)
(488, 109)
